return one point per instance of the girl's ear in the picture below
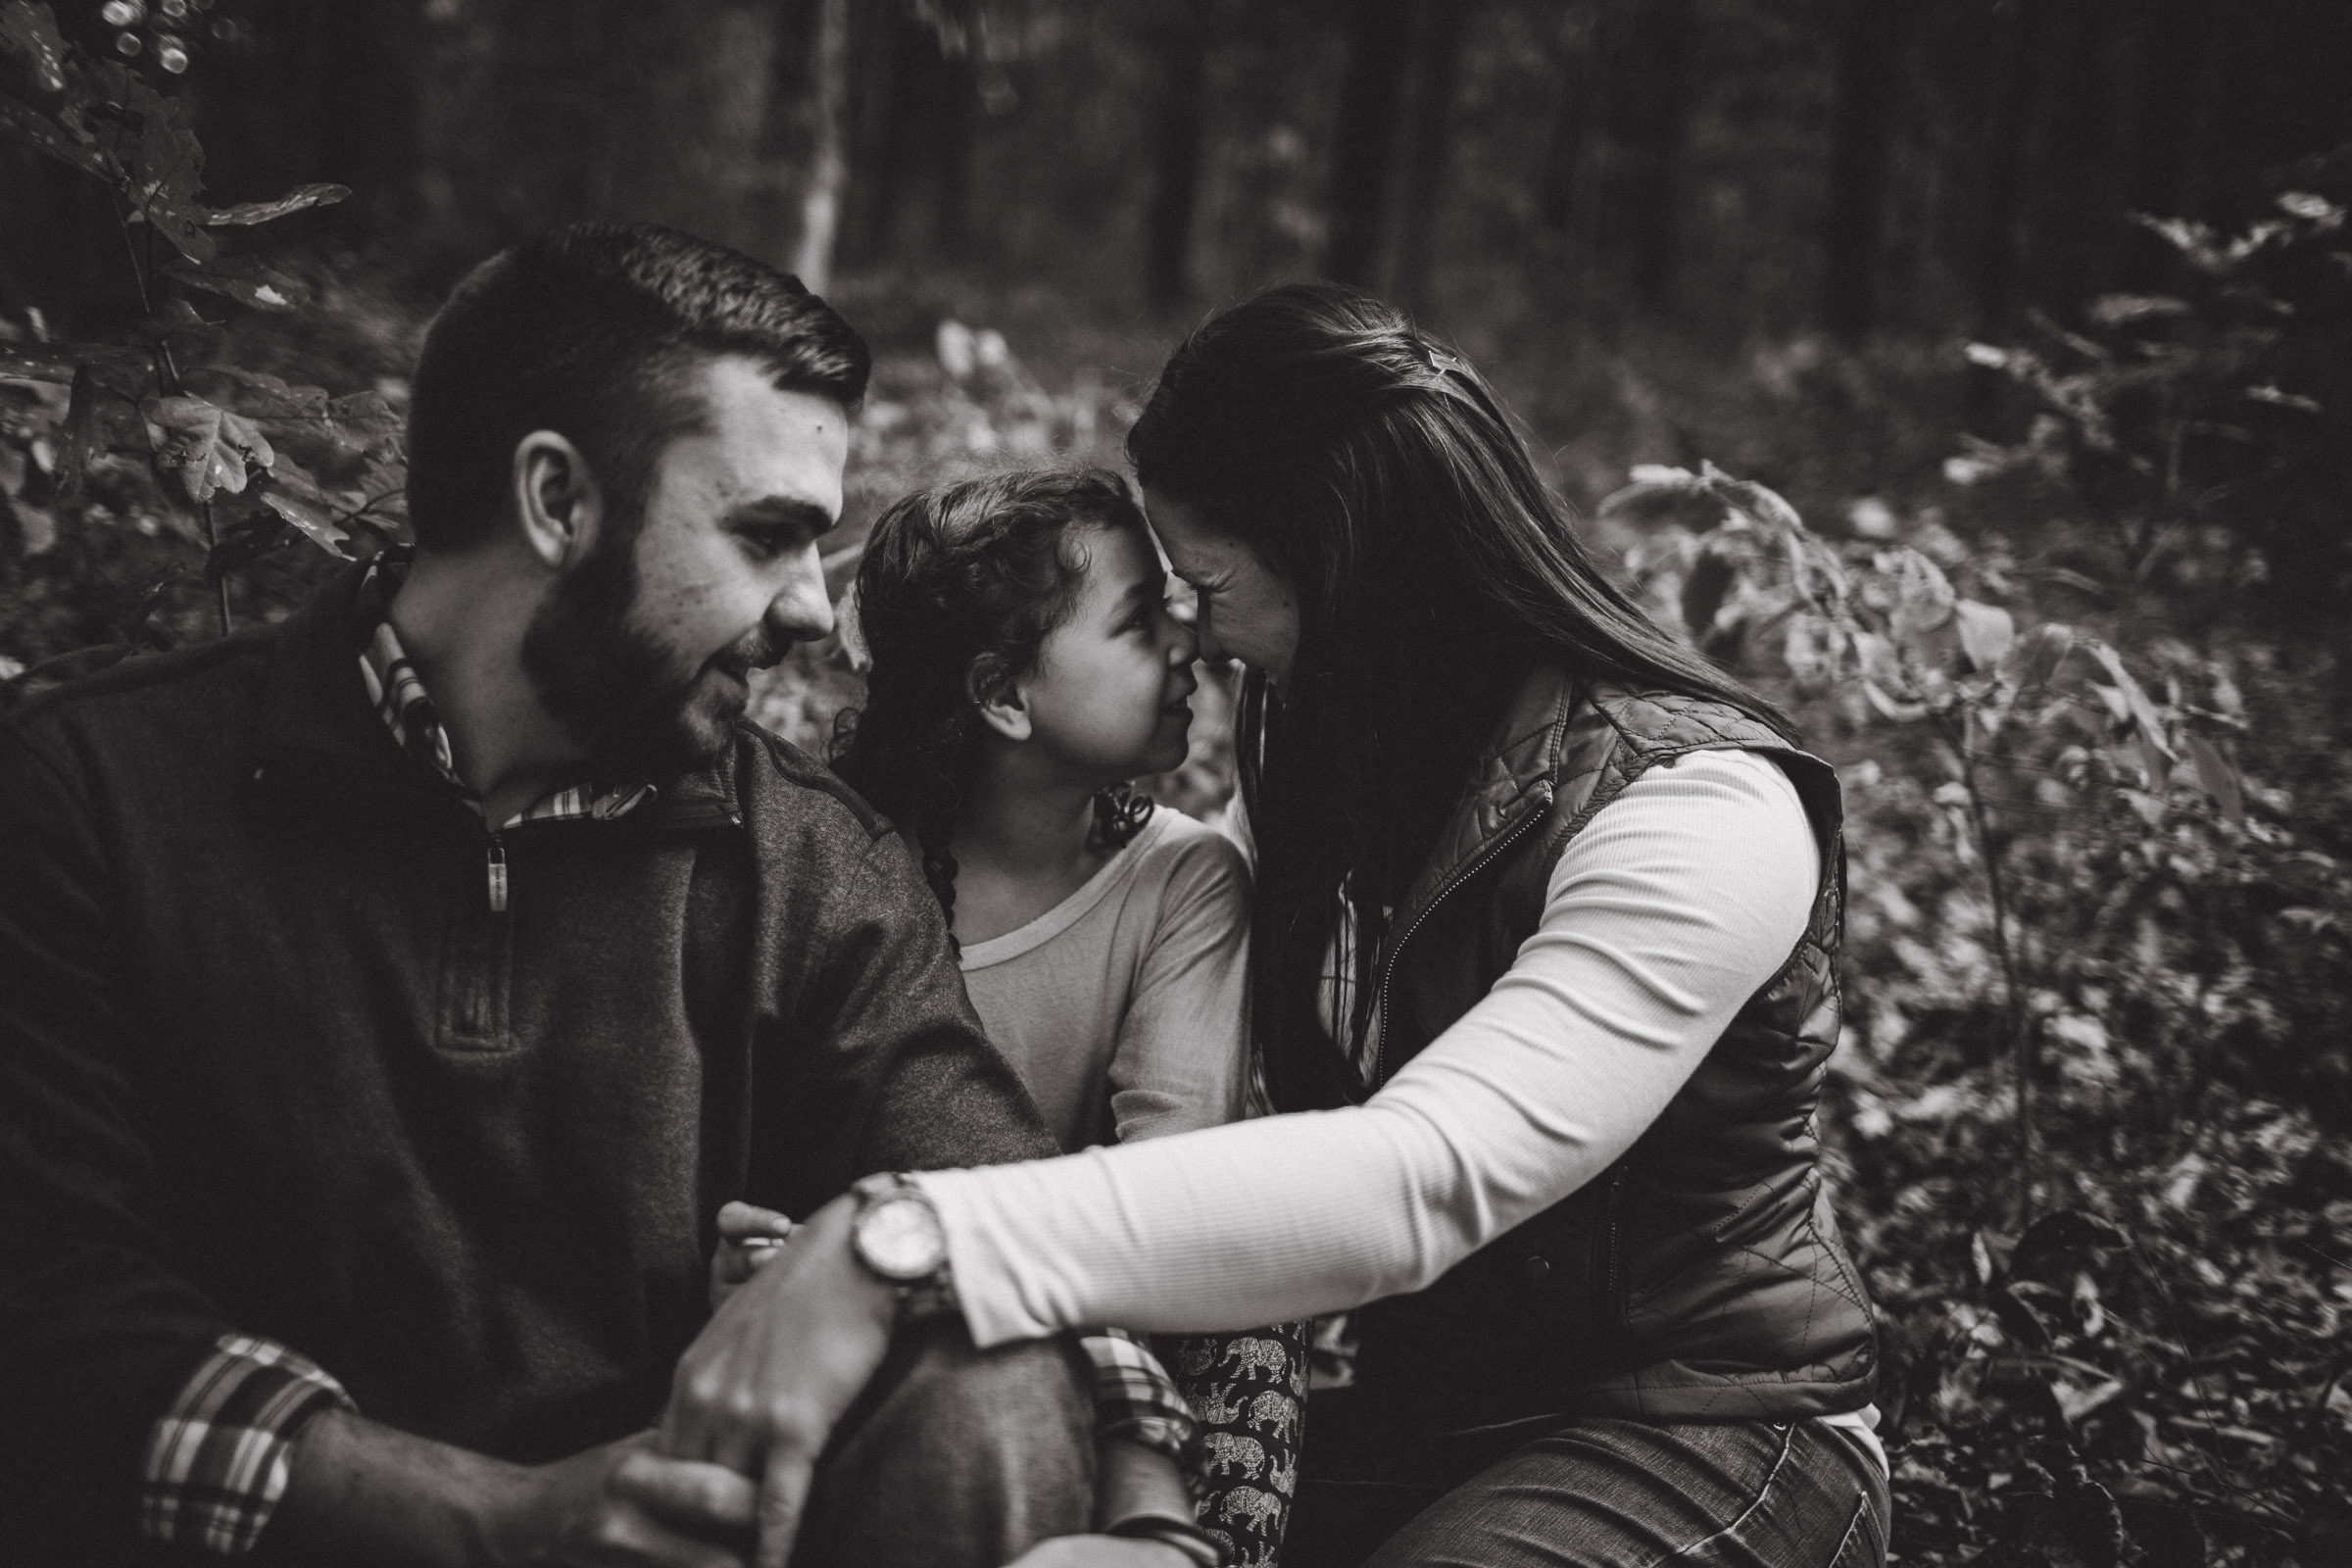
(997, 699)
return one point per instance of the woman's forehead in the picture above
(1194, 546)
(1113, 557)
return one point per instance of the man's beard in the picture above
(613, 688)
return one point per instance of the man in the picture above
(393, 997)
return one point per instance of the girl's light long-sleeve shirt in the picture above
(1125, 1006)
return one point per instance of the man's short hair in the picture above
(592, 330)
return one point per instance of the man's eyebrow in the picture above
(780, 512)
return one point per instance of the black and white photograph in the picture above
(1175, 783)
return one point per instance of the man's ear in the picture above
(997, 697)
(558, 502)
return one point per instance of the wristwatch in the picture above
(897, 1237)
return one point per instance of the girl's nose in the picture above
(1184, 645)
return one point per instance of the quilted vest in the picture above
(1701, 1277)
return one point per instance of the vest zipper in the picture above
(1468, 869)
(1614, 1271)
(495, 869)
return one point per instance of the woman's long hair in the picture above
(1378, 476)
(959, 588)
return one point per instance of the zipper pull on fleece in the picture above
(496, 869)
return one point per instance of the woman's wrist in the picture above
(830, 1233)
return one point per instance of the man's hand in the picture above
(760, 1388)
(624, 1505)
(366, 1493)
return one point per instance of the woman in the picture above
(1545, 973)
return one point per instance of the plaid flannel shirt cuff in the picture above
(1135, 1398)
(218, 1460)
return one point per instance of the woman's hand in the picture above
(760, 1388)
(748, 1237)
(1101, 1551)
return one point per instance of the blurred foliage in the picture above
(2088, 1123)
(2096, 985)
(2067, 616)
(150, 426)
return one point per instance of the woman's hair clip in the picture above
(1439, 360)
(848, 630)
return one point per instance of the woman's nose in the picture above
(1184, 644)
(1203, 629)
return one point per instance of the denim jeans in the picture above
(955, 1458)
(1593, 1493)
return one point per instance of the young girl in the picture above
(1025, 667)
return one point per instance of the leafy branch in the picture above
(218, 453)
(1884, 622)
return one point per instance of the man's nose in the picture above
(802, 610)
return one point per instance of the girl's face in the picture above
(1111, 696)
(1247, 610)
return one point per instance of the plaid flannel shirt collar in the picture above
(408, 712)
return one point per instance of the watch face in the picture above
(899, 1238)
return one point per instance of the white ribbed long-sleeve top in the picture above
(1663, 916)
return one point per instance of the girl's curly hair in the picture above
(959, 588)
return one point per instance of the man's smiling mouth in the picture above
(739, 661)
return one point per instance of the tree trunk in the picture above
(335, 98)
(1178, 117)
(1365, 140)
(2077, 211)
(1431, 144)
(2279, 97)
(958, 131)
(1870, 41)
(2170, 111)
(1649, 100)
(828, 152)
(650, 111)
(899, 51)
(2016, 84)
(1565, 132)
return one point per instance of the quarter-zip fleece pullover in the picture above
(271, 1062)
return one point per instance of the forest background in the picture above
(1974, 375)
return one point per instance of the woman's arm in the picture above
(1664, 916)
